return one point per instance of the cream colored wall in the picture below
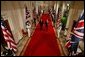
(14, 12)
(74, 12)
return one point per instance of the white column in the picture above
(36, 8)
(57, 7)
(63, 8)
(69, 17)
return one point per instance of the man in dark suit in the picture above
(41, 24)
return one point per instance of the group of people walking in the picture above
(41, 22)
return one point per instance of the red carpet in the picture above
(43, 42)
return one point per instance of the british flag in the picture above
(79, 28)
(78, 31)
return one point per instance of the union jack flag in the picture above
(78, 31)
(8, 37)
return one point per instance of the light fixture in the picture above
(67, 4)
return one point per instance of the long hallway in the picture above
(42, 28)
(43, 42)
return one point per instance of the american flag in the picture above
(68, 44)
(58, 18)
(78, 31)
(34, 12)
(8, 37)
(27, 12)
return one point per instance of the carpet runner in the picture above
(43, 42)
